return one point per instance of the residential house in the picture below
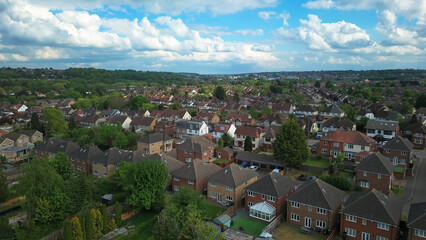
(371, 215)
(240, 119)
(90, 120)
(220, 129)
(283, 108)
(416, 221)
(364, 113)
(143, 124)
(193, 175)
(33, 135)
(343, 141)
(195, 148)
(308, 124)
(172, 164)
(52, 146)
(106, 163)
(83, 157)
(225, 153)
(155, 143)
(227, 184)
(269, 121)
(18, 108)
(398, 151)
(123, 121)
(269, 138)
(189, 128)
(333, 124)
(382, 130)
(109, 113)
(175, 115)
(387, 115)
(332, 111)
(306, 110)
(255, 133)
(375, 171)
(166, 127)
(3, 132)
(262, 161)
(266, 198)
(416, 132)
(209, 118)
(315, 205)
(14, 146)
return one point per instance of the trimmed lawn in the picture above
(290, 231)
(220, 160)
(211, 211)
(398, 170)
(317, 163)
(144, 224)
(345, 174)
(398, 190)
(251, 226)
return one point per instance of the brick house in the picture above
(33, 135)
(143, 124)
(398, 151)
(315, 204)
(52, 146)
(175, 115)
(104, 165)
(193, 175)
(306, 110)
(227, 185)
(166, 127)
(224, 153)
(155, 143)
(385, 130)
(195, 147)
(240, 119)
(209, 118)
(374, 172)
(172, 164)
(416, 132)
(345, 141)
(269, 138)
(256, 134)
(371, 215)
(82, 158)
(333, 124)
(416, 221)
(272, 191)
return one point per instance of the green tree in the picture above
(97, 223)
(175, 106)
(329, 84)
(118, 212)
(361, 123)
(227, 140)
(44, 212)
(267, 111)
(349, 111)
(104, 219)
(136, 103)
(338, 181)
(6, 232)
(317, 84)
(67, 230)
(120, 141)
(35, 121)
(406, 108)
(236, 97)
(3, 159)
(185, 197)
(62, 166)
(55, 123)
(420, 101)
(298, 98)
(76, 231)
(248, 145)
(220, 143)
(290, 145)
(89, 225)
(72, 124)
(219, 93)
(197, 229)
(4, 190)
(112, 225)
(143, 182)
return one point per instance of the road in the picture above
(415, 188)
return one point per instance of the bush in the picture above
(338, 181)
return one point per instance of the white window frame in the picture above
(364, 184)
(383, 226)
(350, 232)
(320, 224)
(228, 198)
(229, 188)
(212, 194)
(321, 211)
(176, 188)
(190, 181)
(381, 238)
(295, 217)
(420, 233)
(364, 221)
(250, 204)
(176, 179)
(212, 184)
(295, 204)
(272, 199)
(251, 193)
(350, 218)
(379, 176)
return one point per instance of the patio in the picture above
(290, 231)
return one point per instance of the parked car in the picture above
(255, 168)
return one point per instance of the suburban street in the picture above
(415, 188)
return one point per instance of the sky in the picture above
(214, 37)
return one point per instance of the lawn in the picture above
(345, 174)
(323, 163)
(398, 170)
(291, 231)
(220, 160)
(211, 211)
(398, 190)
(251, 226)
(144, 224)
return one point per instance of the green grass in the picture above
(210, 211)
(220, 160)
(345, 174)
(317, 163)
(291, 231)
(398, 190)
(251, 226)
(144, 224)
(398, 170)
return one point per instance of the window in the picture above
(381, 238)
(321, 211)
(403, 153)
(324, 150)
(350, 218)
(325, 143)
(228, 198)
(335, 144)
(176, 178)
(295, 217)
(364, 174)
(387, 132)
(379, 176)
(212, 184)
(350, 146)
(212, 194)
(363, 148)
(309, 208)
(229, 188)
(383, 226)
(271, 199)
(350, 232)
(190, 181)
(295, 204)
(371, 131)
(176, 188)
(388, 150)
(263, 196)
(364, 184)
(250, 204)
(320, 224)
(364, 221)
(420, 233)
(250, 193)
(188, 159)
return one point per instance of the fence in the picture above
(272, 225)
(332, 233)
(232, 209)
(56, 235)
(307, 168)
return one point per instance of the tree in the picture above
(72, 124)
(55, 123)
(43, 213)
(120, 141)
(112, 225)
(175, 106)
(219, 93)
(338, 181)
(185, 197)
(413, 119)
(62, 166)
(137, 102)
(317, 84)
(227, 140)
(329, 84)
(361, 123)
(6, 232)
(118, 212)
(4, 190)
(290, 145)
(104, 219)
(35, 121)
(236, 97)
(197, 229)
(97, 223)
(420, 101)
(248, 145)
(89, 225)
(298, 98)
(67, 230)
(76, 231)
(220, 143)
(3, 159)
(143, 182)
(266, 110)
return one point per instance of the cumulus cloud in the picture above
(266, 15)
(284, 16)
(19, 57)
(3, 57)
(49, 53)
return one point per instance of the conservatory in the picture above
(263, 211)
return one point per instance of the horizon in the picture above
(208, 38)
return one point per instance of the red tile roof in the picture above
(351, 137)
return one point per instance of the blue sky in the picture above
(227, 36)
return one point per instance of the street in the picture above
(415, 188)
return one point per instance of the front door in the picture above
(365, 236)
(308, 222)
(395, 161)
(219, 197)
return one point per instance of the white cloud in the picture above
(19, 57)
(176, 25)
(284, 16)
(49, 53)
(266, 15)
(3, 57)
(248, 32)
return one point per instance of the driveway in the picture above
(414, 191)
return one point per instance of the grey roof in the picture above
(222, 219)
(374, 205)
(86, 153)
(137, 155)
(416, 128)
(11, 136)
(318, 193)
(273, 184)
(381, 125)
(233, 175)
(190, 124)
(197, 144)
(339, 123)
(29, 133)
(400, 144)
(153, 138)
(196, 170)
(54, 145)
(112, 156)
(246, 156)
(417, 216)
(332, 109)
(117, 119)
(305, 108)
(171, 163)
(376, 163)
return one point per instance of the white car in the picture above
(254, 168)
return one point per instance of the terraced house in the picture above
(155, 143)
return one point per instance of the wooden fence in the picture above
(272, 225)
(332, 234)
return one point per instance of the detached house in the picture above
(175, 115)
(143, 124)
(189, 128)
(155, 143)
(220, 129)
(105, 164)
(375, 171)
(193, 175)
(266, 198)
(398, 151)
(209, 118)
(333, 124)
(350, 143)
(123, 121)
(371, 215)
(14, 146)
(382, 130)
(82, 159)
(240, 119)
(332, 112)
(417, 133)
(306, 110)
(315, 204)
(256, 134)
(416, 221)
(269, 138)
(227, 185)
(195, 147)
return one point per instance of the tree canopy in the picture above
(219, 93)
(55, 122)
